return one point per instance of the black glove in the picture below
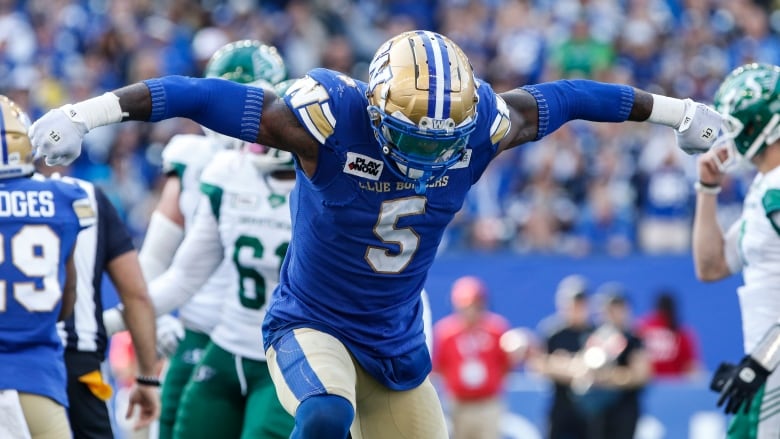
(738, 384)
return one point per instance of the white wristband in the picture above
(667, 111)
(702, 189)
(97, 111)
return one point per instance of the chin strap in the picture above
(767, 352)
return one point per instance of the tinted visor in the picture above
(431, 149)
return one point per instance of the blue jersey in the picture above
(39, 222)
(363, 240)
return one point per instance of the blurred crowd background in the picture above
(587, 189)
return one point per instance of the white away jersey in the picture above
(253, 214)
(187, 155)
(759, 250)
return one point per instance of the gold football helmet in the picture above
(17, 151)
(422, 99)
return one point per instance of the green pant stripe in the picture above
(745, 425)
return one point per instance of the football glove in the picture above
(169, 333)
(57, 135)
(738, 384)
(699, 128)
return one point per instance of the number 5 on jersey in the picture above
(387, 230)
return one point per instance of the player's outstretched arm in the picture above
(244, 112)
(538, 110)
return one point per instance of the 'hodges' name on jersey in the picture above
(20, 204)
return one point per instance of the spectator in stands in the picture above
(468, 356)
(671, 346)
(69, 50)
(665, 207)
(605, 225)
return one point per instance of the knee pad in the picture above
(324, 416)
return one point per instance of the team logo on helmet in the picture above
(749, 100)
(247, 61)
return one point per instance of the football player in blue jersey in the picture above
(39, 222)
(382, 168)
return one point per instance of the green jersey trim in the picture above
(771, 202)
(215, 197)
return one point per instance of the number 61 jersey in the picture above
(253, 216)
(39, 222)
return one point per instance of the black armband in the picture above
(147, 380)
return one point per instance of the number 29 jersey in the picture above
(39, 222)
(363, 239)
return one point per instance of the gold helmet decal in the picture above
(17, 152)
(424, 77)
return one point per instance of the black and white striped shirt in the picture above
(95, 248)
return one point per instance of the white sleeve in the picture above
(731, 248)
(198, 257)
(163, 237)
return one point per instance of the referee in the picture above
(106, 247)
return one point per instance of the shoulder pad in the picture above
(185, 149)
(219, 169)
(493, 113)
(315, 98)
(78, 200)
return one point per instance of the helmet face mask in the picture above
(749, 101)
(422, 102)
(16, 159)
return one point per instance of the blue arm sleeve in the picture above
(562, 101)
(223, 106)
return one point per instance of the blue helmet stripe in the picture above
(432, 79)
(3, 140)
(447, 79)
(439, 81)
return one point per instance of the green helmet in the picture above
(749, 100)
(247, 61)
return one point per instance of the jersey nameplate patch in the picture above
(464, 161)
(363, 166)
(243, 201)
